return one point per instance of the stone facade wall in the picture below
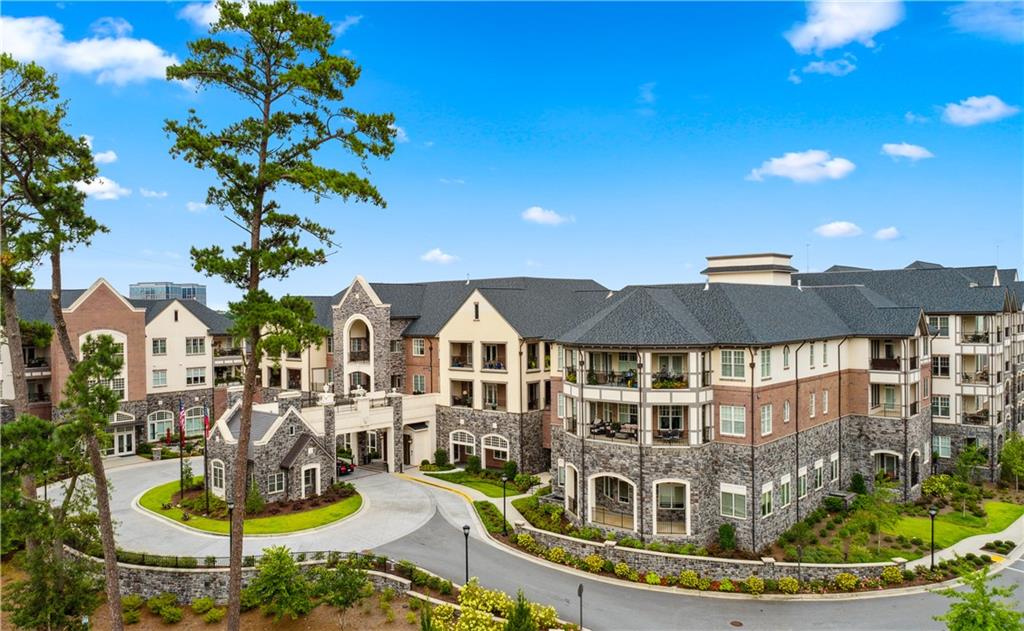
(710, 567)
(530, 457)
(358, 302)
(959, 435)
(863, 436)
(396, 359)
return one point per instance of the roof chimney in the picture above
(767, 268)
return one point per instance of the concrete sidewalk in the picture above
(1014, 532)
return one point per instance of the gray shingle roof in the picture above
(1017, 291)
(737, 314)
(261, 424)
(323, 308)
(923, 265)
(34, 304)
(935, 290)
(1007, 276)
(847, 268)
(217, 323)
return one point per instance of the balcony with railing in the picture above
(664, 380)
(38, 396)
(976, 417)
(461, 356)
(975, 336)
(494, 358)
(624, 379)
(359, 349)
(494, 396)
(885, 363)
(462, 394)
(533, 356)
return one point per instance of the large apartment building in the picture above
(175, 352)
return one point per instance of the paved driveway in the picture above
(407, 520)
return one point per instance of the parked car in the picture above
(345, 467)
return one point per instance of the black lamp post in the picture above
(932, 512)
(231, 531)
(465, 532)
(504, 507)
(579, 592)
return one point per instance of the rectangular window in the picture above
(396, 382)
(766, 501)
(940, 365)
(811, 400)
(733, 420)
(396, 346)
(733, 501)
(941, 323)
(766, 419)
(784, 492)
(418, 347)
(819, 478)
(275, 483)
(670, 417)
(785, 411)
(801, 483)
(627, 413)
(812, 354)
(195, 376)
(160, 346)
(824, 402)
(117, 385)
(195, 345)
(833, 467)
(561, 405)
(419, 384)
(824, 353)
(940, 405)
(785, 358)
(159, 378)
(732, 364)
(941, 446)
(766, 364)
(671, 496)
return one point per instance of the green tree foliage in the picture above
(280, 588)
(981, 607)
(876, 510)
(254, 503)
(277, 62)
(963, 489)
(1012, 459)
(520, 618)
(37, 334)
(342, 586)
(938, 486)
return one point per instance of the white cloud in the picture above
(911, 117)
(836, 68)
(145, 192)
(446, 180)
(438, 256)
(1001, 20)
(339, 28)
(836, 24)
(104, 157)
(888, 234)
(646, 93)
(533, 263)
(906, 150)
(536, 214)
(109, 54)
(201, 14)
(804, 166)
(838, 229)
(793, 77)
(103, 188)
(975, 110)
(400, 135)
(195, 207)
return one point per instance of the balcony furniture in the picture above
(461, 362)
(669, 381)
(494, 365)
(37, 362)
(975, 337)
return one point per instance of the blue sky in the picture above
(620, 142)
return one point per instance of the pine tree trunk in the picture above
(238, 488)
(110, 572)
(60, 326)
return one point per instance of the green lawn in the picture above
(154, 498)
(952, 527)
(487, 487)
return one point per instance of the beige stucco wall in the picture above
(176, 361)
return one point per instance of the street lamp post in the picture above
(504, 507)
(579, 592)
(932, 512)
(231, 531)
(465, 532)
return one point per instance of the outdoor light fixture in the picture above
(932, 512)
(465, 532)
(579, 592)
(504, 507)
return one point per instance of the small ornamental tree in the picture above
(1012, 459)
(288, 124)
(938, 486)
(964, 490)
(876, 510)
(520, 618)
(981, 607)
(341, 586)
(280, 588)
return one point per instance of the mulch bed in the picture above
(196, 499)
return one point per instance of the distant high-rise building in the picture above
(167, 291)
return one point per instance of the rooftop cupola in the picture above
(751, 269)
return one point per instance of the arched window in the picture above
(785, 357)
(158, 424)
(194, 421)
(496, 449)
(612, 501)
(217, 475)
(463, 445)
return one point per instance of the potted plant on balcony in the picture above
(616, 427)
(591, 377)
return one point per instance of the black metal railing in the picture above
(462, 361)
(626, 379)
(359, 356)
(885, 363)
(670, 381)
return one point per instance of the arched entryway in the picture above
(462, 445)
(495, 451)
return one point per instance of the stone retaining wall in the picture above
(710, 567)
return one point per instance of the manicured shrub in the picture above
(254, 503)
(986, 558)
(556, 555)
(132, 601)
(473, 465)
(593, 563)
(834, 504)
(131, 616)
(652, 578)
(171, 615)
(630, 542)
(215, 615)
(909, 575)
(892, 575)
(727, 537)
(621, 570)
(857, 484)
(704, 584)
(634, 576)
(846, 581)
(916, 541)
(789, 585)
(158, 603)
(441, 457)
(726, 586)
(210, 561)
(755, 585)
(689, 579)
(202, 605)
(510, 469)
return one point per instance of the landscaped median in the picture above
(489, 482)
(161, 500)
